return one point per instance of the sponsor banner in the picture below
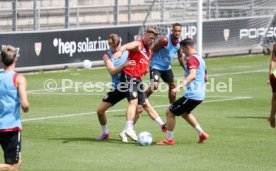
(70, 46)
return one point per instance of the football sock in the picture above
(105, 129)
(129, 125)
(159, 121)
(170, 135)
(198, 129)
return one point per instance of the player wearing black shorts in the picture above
(167, 76)
(140, 51)
(164, 51)
(114, 95)
(195, 78)
(11, 145)
(13, 95)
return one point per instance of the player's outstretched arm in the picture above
(161, 43)
(22, 89)
(114, 70)
(181, 59)
(186, 81)
(135, 45)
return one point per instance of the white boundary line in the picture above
(210, 75)
(120, 110)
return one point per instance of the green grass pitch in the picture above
(60, 129)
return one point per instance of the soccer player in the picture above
(114, 67)
(272, 82)
(12, 95)
(164, 51)
(115, 95)
(193, 96)
(140, 51)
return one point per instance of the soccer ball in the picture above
(145, 138)
(86, 64)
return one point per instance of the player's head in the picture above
(187, 45)
(114, 42)
(176, 30)
(8, 55)
(150, 36)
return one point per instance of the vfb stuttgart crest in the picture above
(226, 34)
(38, 47)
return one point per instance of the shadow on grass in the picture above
(85, 139)
(247, 117)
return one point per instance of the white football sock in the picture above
(130, 125)
(198, 129)
(159, 121)
(170, 135)
(105, 129)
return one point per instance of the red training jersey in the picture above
(142, 58)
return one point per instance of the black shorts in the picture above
(114, 96)
(133, 88)
(183, 105)
(167, 76)
(11, 145)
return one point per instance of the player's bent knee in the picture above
(168, 112)
(172, 86)
(100, 111)
(139, 109)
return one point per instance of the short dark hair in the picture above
(176, 25)
(8, 55)
(187, 42)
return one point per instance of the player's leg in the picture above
(132, 96)
(139, 111)
(168, 77)
(18, 165)
(172, 96)
(175, 109)
(141, 102)
(5, 167)
(170, 128)
(154, 115)
(193, 122)
(189, 105)
(11, 145)
(154, 79)
(101, 112)
(102, 119)
(129, 126)
(111, 98)
(271, 117)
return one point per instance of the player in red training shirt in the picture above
(131, 80)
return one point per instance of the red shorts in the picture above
(273, 83)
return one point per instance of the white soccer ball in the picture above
(86, 64)
(145, 138)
